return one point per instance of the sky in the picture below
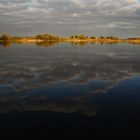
(67, 17)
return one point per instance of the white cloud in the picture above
(70, 12)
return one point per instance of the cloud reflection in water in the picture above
(30, 75)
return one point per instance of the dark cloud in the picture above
(70, 17)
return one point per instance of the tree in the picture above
(72, 37)
(5, 37)
(47, 37)
(102, 37)
(93, 37)
(82, 36)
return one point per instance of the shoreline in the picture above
(131, 41)
(6, 38)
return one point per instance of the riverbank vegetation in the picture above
(41, 38)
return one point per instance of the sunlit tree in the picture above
(5, 37)
(48, 37)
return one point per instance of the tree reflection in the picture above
(5, 44)
(79, 43)
(46, 43)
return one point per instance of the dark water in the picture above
(71, 86)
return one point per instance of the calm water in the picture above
(68, 85)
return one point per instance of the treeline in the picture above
(50, 37)
(134, 38)
(54, 37)
(44, 37)
(79, 37)
(84, 37)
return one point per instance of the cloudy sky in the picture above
(67, 17)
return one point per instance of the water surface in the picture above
(70, 85)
